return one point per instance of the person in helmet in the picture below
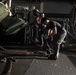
(7, 7)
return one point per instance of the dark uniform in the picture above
(57, 38)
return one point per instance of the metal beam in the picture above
(57, 15)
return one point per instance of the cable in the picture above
(2, 48)
(71, 35)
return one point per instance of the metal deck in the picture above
(40, 65)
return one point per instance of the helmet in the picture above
(4, 1)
